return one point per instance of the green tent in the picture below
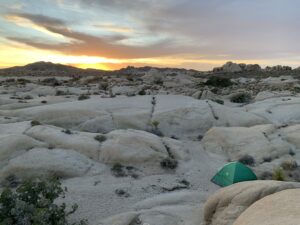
(233, 172)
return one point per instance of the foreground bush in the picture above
(32, 203)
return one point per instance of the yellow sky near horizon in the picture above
(20, 55)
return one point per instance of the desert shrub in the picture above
(83, 97)
(118, 170)
(122, 193)
(291, 152)
(100, 138)
(242, 97)
(267, 159)
(142, 92)
(59, 93)
(10, 80)
(278, 174)
(52, 81)
(247, 160)
(129, 78)
(289, 164)
(103, 86)
(169, 163)
(158, 80)
(11, 181)
(35, 123)
(23, 81)
(266, 175)
(218, 82)
(28, 97)
(67, 131)
(33, 202)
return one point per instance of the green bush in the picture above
(242, 97)
(218, 82)
(278, 174)
(32, 203)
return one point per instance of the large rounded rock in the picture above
(135, 147)
(41, 162)
(56, 137)
(260, 142)
(276, 209)
(292, 135)
(283, 110)
(179, 116)
(12, 145)
(227, 204)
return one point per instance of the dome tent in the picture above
(233, 172)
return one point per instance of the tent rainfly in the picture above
(233, 172)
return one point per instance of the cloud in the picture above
(126, 29)
(86, 44)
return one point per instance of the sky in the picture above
(111, 34)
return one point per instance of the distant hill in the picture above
(52, 69)
(230, 70)
(49, 69)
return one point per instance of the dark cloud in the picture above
(41, 20)
(85, 44)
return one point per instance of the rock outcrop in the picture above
(227, 204)
(260, 142)
(276, 209)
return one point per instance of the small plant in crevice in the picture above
(169, 163)
(155, 124)
(34, 202)
(155, 130)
